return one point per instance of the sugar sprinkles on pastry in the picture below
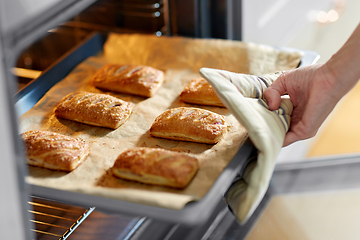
(95, 109)
(131, 79)
(54, 150)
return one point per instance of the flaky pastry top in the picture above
(132, 79)
(94, 108)
(197, 124)
(54, 148)
(171, 165)
(199, 91)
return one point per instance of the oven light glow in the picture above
(332, 15)
(27, 61)
(323, 16)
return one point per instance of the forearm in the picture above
(315, 90)
(345, 64)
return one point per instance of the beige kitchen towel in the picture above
(242, 94)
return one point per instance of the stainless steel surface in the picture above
(315, 176)
(19, 27)
(12, 187)
(15, 13)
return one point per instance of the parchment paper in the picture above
(180, 59)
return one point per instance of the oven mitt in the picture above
(242, 94)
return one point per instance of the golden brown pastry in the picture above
(156, 166)
(95, 109)
(189, 124)
(54, 151)
(132, 79)
(199, 91)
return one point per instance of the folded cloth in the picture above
(242, 94)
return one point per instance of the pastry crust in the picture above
(132, 79)
(54, 151)
(199, 91)
(156, 166)
(189, 124)
(95, 109)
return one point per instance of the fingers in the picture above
(290, 138)
(274, 92)
(299, 131)
(273, 97)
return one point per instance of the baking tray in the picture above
(193, 213)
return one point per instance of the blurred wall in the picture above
(277, 22)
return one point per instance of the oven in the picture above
(41, 42)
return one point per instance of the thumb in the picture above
(274, 92)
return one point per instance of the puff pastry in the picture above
(54, 151)
(156, 166)
(95, 109)
(189, 124)
(132, 79)
(199, 91)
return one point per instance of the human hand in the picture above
(313, 92)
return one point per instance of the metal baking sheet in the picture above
(193, 213)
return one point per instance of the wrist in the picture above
(344, 64)
(333, 83)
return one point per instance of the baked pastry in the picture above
(189, 124)
(132, 79)
(95, 109)
(156, 166)
(54, 151)
(199, 91)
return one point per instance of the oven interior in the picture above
(51, 43)
(68, 25)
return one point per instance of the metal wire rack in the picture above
(125, 16)
(53, 220)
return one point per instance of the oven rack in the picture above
(52, 220)
(128, 17)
